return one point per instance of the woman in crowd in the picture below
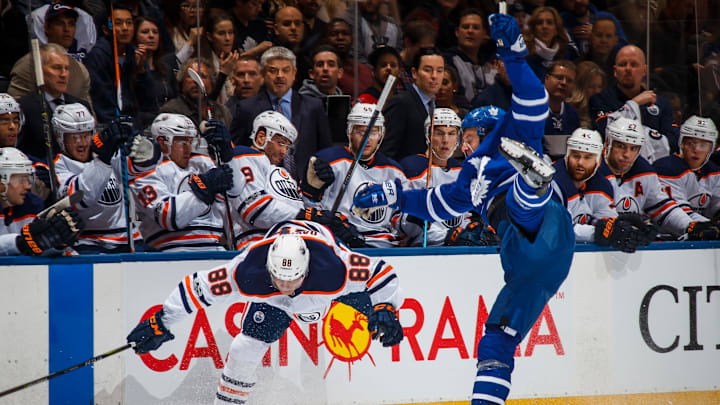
(448, 89)
(547, 40)
(155, 83)
(181, 17)
(217, 46)
(590, 79)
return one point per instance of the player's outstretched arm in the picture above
(626, 232)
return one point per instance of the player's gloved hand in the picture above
(384, 325)
(214, 181)
(149, 334)
(59, 231)
(626, 232)
(318, 177)
(218, 136)
(41, 186)
(376, 196)
(338, 225)
(705, 230)
(505, 31)
(474, 234)
(144, 151)
(106, 143)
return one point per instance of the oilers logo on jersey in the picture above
(183, 186)
(376, 217)
(583, 219)
(479, 186)
(452, 222)
(283, 184)
(309, 317)
(627, 204)
(111, 195)
(699, 201)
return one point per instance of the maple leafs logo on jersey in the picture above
(479, 186)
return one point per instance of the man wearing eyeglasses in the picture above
(563, 119)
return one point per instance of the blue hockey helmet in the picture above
(483, 118)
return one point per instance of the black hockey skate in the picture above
(530, 165)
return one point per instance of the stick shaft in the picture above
(428, 177)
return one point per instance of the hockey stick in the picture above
(67, 370)
(123, 156)
(228, 228)
(62, 204)
(40, 80)
(428, 177)
(378, 108)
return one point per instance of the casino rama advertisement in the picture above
(620, 324)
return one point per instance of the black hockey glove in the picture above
(338, 225)
(214, 181)
(703, 231)
(318, 176)
(626, 232)
(218, 137)
(149, 334)
(106, 143)
(384, 325)
(59, 231)
(474, 234)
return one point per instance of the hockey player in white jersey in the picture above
(294, 273)
(323, 179)
(637, 187)
(92, 164)
(589, 198)
(690, 178)
(444, 169)
(180, 202)
(263, 193)
(21, 231)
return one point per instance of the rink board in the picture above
(621, 328)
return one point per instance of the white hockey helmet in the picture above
(168, 126)
(624, 130)
(8, 105)
(273, 123)
(585, 140)
(71, 119)
(699, 127)
(288, 258)
(12, 161)
(361, 113)
(444, 117)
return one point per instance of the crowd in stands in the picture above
(204, 122)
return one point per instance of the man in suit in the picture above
(306, 113)
(405, 113)
(56, 74)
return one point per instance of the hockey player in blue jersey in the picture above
(537, 234)
(477, 124)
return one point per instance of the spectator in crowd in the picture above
(517, 10)
(447, 96)
(79, 31)
(588, 198)
(278, 65)
(246, 80)
(636, 186)
(102, 64)
(630, 99)
(473, 56)
(219, 40)
(178, 202)
(92, 165)
(289, 28)
(442, 142)
(417, 34)
(22, 76)
(562, 118)
(21, 232)
(315, 28)
(55, 67)
(477, 124)
(546, 40)
(603, 42)
(579, 21)
(499, 93)
(13, 40)
(326, 70)
(385, 61)
(376, 30)
(690, 178)
(633, 15)
(326, 170)
(406, 112)
(190, 102)
(443, 15)
(590, 80)
(181, 22)
(251, 34)
(155, 83)
(340, 36)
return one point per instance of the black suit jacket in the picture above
(308, 117)
(31, 139)
(405, 117)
